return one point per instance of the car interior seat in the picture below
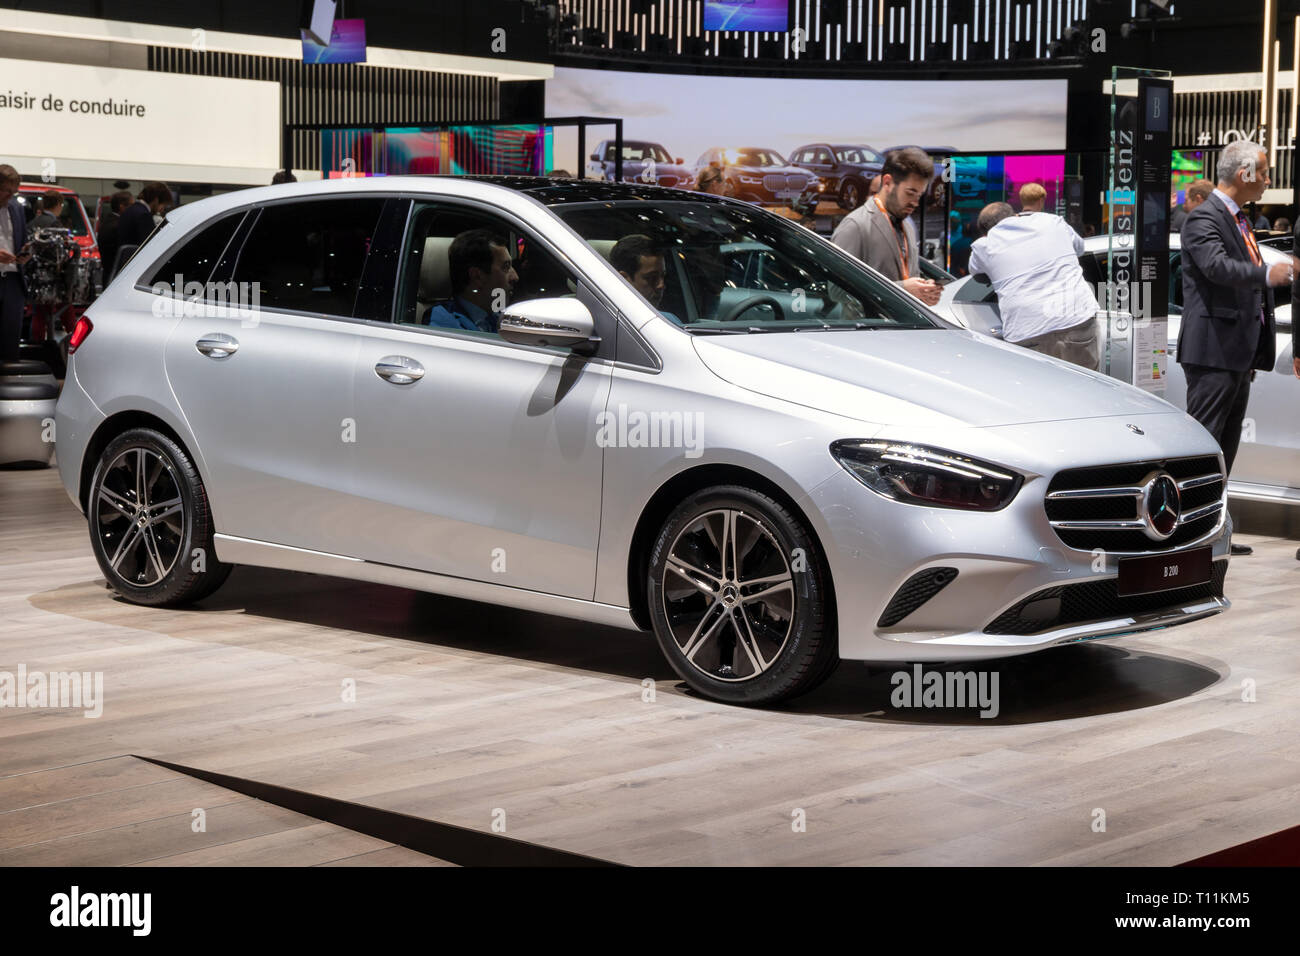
(435, 276)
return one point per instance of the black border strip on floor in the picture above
(443, 841)
(1276, 849)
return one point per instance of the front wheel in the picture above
(740, 598)
(150, 525)
(851, 194)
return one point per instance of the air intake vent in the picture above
(1068, 604)
(915, 591)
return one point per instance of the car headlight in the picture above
(752, 180)
(919, 475)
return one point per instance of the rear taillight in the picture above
(82, 329)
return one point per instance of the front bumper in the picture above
(1010, 567)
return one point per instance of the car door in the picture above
(478, 458)
(266, 386)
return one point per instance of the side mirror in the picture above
(680, 161)
(558, 323)
(595, 158)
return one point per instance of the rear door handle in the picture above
(399, 369)
(216, 345)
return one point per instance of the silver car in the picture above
(443, 384)
(1268, 461)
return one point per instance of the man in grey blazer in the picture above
(1227, 329)
(879, 231)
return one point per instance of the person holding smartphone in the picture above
(880, 232)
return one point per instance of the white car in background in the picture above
(1268, 467)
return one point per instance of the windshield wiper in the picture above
(714, 330)
(834, 328)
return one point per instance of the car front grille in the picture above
(1097, 508)
(1067, 604)
(777, 183)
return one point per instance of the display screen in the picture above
(1188, 166)
(980, 180)
(784, 115)
(347, 44)
(506, 150)
(751, 16)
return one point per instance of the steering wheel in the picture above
(743, 306)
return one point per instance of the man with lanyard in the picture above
(1228, 330)
(879, 231)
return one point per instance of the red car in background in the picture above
(72, 296)
(74, 213)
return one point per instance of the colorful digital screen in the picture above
(748, 16)
(505, 150)
(1188, 165)
(347, 44)
(980, 180)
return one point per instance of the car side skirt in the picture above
(235, 550)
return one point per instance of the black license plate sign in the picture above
(1165, 572)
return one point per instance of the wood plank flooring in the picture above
(466, 714)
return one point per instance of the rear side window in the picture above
(196, 257)
(310, 256)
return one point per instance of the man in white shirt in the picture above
(1032, 261)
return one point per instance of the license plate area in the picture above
(1165, 572)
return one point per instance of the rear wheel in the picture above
(150, 524)
(740, 599)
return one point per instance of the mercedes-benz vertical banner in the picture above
(1154, 143)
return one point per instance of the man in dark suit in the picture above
(1227, 326)
(13, 293)
(137, 220)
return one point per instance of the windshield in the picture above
(720, 268)
(857, 154)
(638, 152)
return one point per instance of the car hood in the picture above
(768, 170)
(923, 377)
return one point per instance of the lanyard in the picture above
(902, 246)
(1248, 236)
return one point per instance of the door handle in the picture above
(399, 369)
(216, 345)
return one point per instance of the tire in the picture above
(148, 555)
(852, 194)
(720, 636)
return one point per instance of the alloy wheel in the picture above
(728, 595)
(139, 516)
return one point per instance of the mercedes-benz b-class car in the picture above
(622, 404)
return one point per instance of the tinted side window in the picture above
(196, 257)
(309, 256)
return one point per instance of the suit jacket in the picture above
(1177, 217)
(868, 234)
(135, 224)
(1223, 293)
(18, 219)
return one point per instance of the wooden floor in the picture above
(466, 714)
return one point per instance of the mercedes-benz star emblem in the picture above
(1161, 506)
(1135, 430)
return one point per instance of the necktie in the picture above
(1248, 237)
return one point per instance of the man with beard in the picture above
(879, 231)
